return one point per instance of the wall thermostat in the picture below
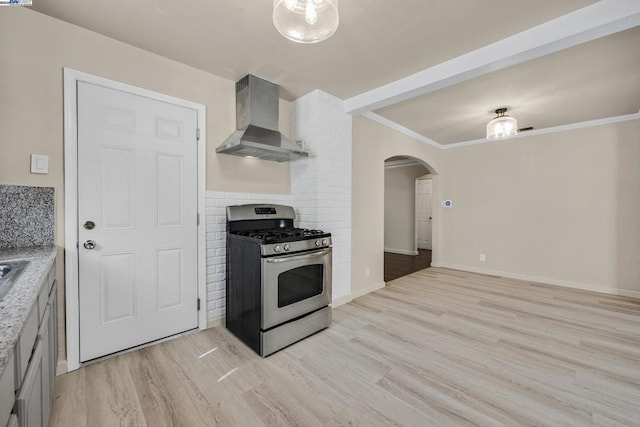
(447, 203)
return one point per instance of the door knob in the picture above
(89, 244)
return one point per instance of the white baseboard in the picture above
(544, 280)
(348, 298)
(213, 323)
(341, 301)
(400, 251)
(368, 290)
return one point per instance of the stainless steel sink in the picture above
(9, 272)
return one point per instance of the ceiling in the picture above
(590, 81)
(380, 42)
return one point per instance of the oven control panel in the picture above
(296, 246)
(322, 243)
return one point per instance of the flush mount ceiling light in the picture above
(502, 126)
(306, 21)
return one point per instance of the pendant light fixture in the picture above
(502, 126)
(306, 21)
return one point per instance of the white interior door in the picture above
(137, 182)
(423, 213)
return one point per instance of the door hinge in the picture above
(198, 219)
(77, 245)
(198, 304)
(198, 134)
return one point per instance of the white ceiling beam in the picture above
(589, 23)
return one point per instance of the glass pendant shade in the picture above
(306, 21)
(502, 126)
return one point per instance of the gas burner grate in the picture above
(280, 234)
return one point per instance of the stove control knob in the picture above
(324, 242)
(286, 248)
(318, 243)
(277, 248)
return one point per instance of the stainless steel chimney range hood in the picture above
(257, 124)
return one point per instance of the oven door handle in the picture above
(298, 257)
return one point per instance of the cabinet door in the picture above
(53, 341)
(25, 344)
(44, 334)
(29, 402)
(53, 301)
(7, 389)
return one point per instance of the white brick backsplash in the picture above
(215, 295)
(215, 313)
(217, 279)
(321, 184)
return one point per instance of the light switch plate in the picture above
(39, 163)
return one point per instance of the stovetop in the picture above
(279, 235)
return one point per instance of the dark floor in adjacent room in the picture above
(396, 265)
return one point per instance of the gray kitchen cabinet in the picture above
(44, 335)
(43, 299)
(25, 344)
(29, 401)
(30, 374)
(7, 391)
(53, 339)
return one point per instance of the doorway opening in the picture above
(408, 216)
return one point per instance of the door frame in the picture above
(71, 264)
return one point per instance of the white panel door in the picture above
(137, 184)
(423, 214)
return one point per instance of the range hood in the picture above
(257, 123)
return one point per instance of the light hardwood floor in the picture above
(438, 347)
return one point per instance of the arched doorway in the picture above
(408, 216)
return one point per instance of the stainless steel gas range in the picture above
(278, 277)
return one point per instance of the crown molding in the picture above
(554, 129)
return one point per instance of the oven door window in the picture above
(299, 284)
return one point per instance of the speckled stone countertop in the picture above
(15, 306)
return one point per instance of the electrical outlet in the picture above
(483, 257)
(367, 272)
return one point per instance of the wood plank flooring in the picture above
(397, 265)
(437, 347)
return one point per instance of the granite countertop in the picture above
(16, 305)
